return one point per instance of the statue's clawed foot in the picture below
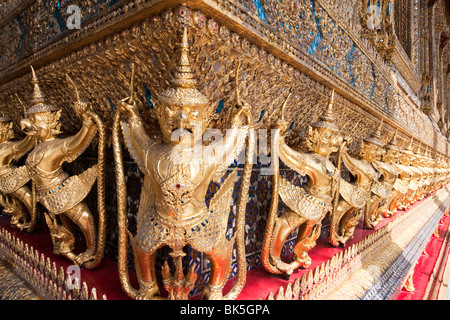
(210, 293)
(287, 268)
(304, 260)
(148, 294)
(84, 257)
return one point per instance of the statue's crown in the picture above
(327, 119)
(393, 143)
(183, 91)
(375, 137)
(38, 104)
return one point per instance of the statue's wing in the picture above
(222, 201)
(70, 193)
(14, 180)
(299, 201)
(355, 196)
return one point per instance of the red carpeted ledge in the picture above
(259, 282)
(105, 279)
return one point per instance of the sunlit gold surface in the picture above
(172, 210)
(60, 194)
(16, 197)
(188, 81)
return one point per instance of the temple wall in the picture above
(311, 46)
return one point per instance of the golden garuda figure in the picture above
(306, 205)
(391, 174)
(426, 166)
(382, 187)
(407, 158)
(172, 211)
(63, 195)
(354, 196)
(16, 197)
(419, 162)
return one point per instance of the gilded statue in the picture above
(16, 198)
(406, 160)
(177, 172)
(426, 166)
(63, 195)
(393, 175)
(306, 205)
(382, 187)
(354, 196)
(419, 162)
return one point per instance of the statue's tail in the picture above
(101, 238)
(121, 210)
(270, 224)
(241, 275)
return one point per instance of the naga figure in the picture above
(382, 187)
(354, 197)
(16, 197)
(63, 195)
(306, 205)
(172, 211)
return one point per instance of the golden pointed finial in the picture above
(283, 107)
(329, 113)
(77, 94)
(22, 104)
(410, 145)
(332, 97)
(380, 126)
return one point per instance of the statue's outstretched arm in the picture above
(20, 148)
(350, 163)
(228, 150)
(293, 159)
(75, 145)
(135, 136)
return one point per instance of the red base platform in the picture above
(259, 284)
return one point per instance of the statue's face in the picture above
(391, 156)
(44, 125)
(323, 141)
(370, 151)
(6, 131)
(177, 123)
